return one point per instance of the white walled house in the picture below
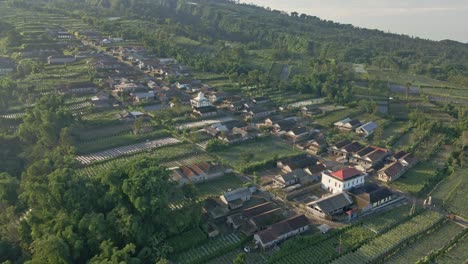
(342, 180)
(200, 101)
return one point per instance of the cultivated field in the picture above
(385, 243)
(127, 150)
(262, 150)
(431, 241)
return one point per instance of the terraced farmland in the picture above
(383, 244)
(456, 254)
(451, 193)
(210, 248)
(166, 153)
(387, 219)
(126, 150)
(324, 251)
(429, 242)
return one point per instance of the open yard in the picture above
(260, 150)
(413, 180)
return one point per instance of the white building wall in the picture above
(336, 186)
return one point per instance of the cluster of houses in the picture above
(297, 171)
(267, 222)
(389, 166)
(350, 195)
(199, 172)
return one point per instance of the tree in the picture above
(247, 157)
(408, 87)
(8, 188)
(51, 249)
(162, 261)
(241, 258)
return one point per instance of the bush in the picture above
(187, 240)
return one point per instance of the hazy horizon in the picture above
(430, 19)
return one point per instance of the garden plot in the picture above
(383, 244)
(429, 242)
(13, 116)
(317, 249)
(456, 254)
(126, 150)
(451, 193)
(203, 252)
(261, 150)
(166, 153)
(204, 123)
(251, 258)
(79, 106)
(188, 160)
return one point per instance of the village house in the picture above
(391, 172)
(257, 112)
(237, 220)
(127, 86)
(335, 149)
(316, 170)
(105, 64)
(215, 208)
(297, 162)
(309, 110)
(317, 145)
(237, 134)
(262, 221)
(101, 100)
(369, 157)
(342, 180)
(236, 198)
(284, 125)
(370, 196)
(199, 172)
(7, 65)
(200, 101)
(282, 230)
(331, 206)
(367, 129)
(401, 162)
(345, 149)
(130, 115)
(347, 124)
(78, 88)
(143, 97)
(289, 178)
(205, 111)
(60, 59)
(298, 133)
(406, 159)
(270, 121)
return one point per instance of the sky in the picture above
(429, 19)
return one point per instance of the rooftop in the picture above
(346, 173)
